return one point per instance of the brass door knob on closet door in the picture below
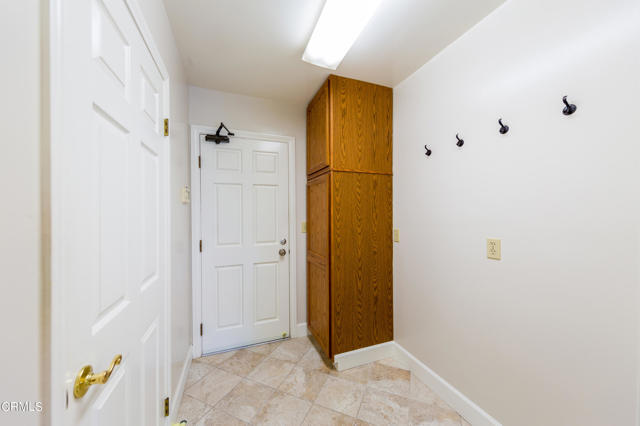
(282, 252)
(86, 377)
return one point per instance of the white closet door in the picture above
(110, 215)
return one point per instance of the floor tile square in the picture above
(246, 400)
(191, 409)
(341, 395)
(242, 362)
(196, 372)
(213, 387)
(305, 384)
(390, 379)
(271, 371)
(283, 410)
(313, 360)
(292, 350)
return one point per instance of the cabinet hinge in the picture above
(199, 162)
(201, 330)
(166, 407)
(200, 246)
(166, 127)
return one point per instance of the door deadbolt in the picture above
(283, 241)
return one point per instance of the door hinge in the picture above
(201, 330)
(200, 246)
(199, 162)
(166, 407)
(166, 127)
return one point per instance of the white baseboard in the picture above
(300, 330)
(363, 356)
(452, 396)
(176, 399)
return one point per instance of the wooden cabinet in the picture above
(318, 131)
(349, 215)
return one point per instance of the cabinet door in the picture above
(361, 261)
(318, 310)
(318, 274)
(318, 130)
(362, 116)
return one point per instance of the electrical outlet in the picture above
(396, 235)
(493, 249)
(303, 227)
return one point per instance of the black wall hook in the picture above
(569, 108)
(460, 141)
(427, 151)
(503, 128)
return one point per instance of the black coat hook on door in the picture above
(427, 151)
(569, 108)
(503, 128)
(460, 141)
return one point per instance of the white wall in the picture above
(158, 23)
(21, 358)
(210, 107)
(549, 334)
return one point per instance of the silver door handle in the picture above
(282, 252)
(283, 241)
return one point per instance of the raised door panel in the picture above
(318, 155)
(319, 303)
(361, 261)
(318, 307)
(362, 116)
(318, 216)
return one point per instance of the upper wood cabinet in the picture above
(318, 131)
(349, 127)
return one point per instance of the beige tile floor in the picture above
(289, 383)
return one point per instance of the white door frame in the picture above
(56, 306)
(196, 256)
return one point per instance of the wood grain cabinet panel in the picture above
(349, 215)
(361, 125)
(318, 298)
(318, 131)
(318, 216)
(361, 260)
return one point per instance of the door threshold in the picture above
(237, 348)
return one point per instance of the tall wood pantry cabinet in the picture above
(349, 215)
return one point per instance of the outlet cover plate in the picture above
(493, 249)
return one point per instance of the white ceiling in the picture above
(254, 47)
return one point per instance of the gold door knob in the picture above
(85, 378)
(282, 252)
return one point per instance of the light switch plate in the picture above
(303, 227)
(493, 249)
(186, 194)
(396, 235)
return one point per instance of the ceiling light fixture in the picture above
(338, 27)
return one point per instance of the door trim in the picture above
(196, 256)
(54, 306)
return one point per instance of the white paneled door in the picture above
(109, 204)
(245, 247)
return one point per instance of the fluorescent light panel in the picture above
(338, 27)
